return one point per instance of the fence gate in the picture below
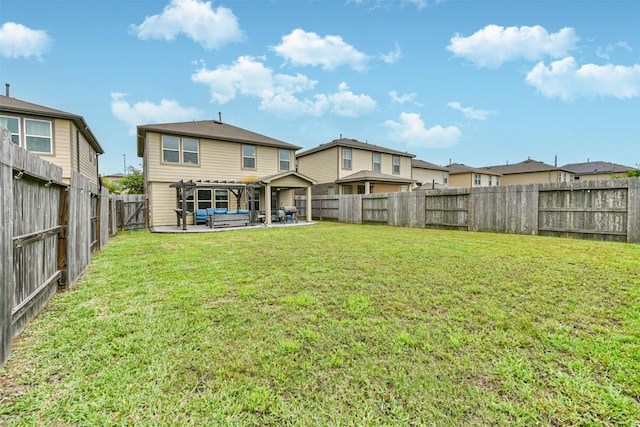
(131, 211)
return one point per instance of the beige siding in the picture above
(461, 180)
(386, 188)
(428, 176)
(529, 178)
(162, 202)
(362, 160)
(61, 146)
(88, 162)
(321, 166)
(218, 161)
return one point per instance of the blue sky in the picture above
(474, 82)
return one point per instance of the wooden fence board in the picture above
(6, 244)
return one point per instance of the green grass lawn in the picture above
(337, 325)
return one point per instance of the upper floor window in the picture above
(490, 180)
(396, 164)
(190, 151)
(12, 124)
(377, 162)
(476, 179)
(249, 156)
(37, 135)
(285, 160)
(497, 180)
(445, 178)
(346, 158)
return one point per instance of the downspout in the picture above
(78, 149)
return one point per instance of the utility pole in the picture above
(124, 157)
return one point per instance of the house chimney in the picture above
(555, 161)
(7, 89)
(220, 116)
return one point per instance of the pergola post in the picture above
(267, 196)
(309, 216)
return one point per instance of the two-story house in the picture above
(530, 172)
(461, 175)
(61, 138)
(596, 170)
(349, 166)
(428, 175)
(216, 152)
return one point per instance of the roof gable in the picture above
(597, 167)
(354, 143)
(211, 129)
(10, 105)
(421, 164)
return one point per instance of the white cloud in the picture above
(302, 48)
(278, 92)
(410, 130)
(494, 45)
(470, 112)
(146, 112)
(402, 99)
(393, 56)
(603, 52)
(565, 80)
(211, 28)
(16, 40)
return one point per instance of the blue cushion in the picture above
(210, 211)
(220, 210)
(243, 211)
(232, 212)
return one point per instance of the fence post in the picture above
(633, 210)
(6, 245)
(62, 238)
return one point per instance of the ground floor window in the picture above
(222, 199)
(361, 189)
(190, 203)
(204, 199)
(256, 200)
(347, 189)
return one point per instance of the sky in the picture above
(465, 81)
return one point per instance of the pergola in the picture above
(184, 189)
(284, 180)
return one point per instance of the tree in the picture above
(133, 182)
(634, 172)
(113, 187)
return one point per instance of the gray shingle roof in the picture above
(594, 168)
(354, 143)
(365, 175)
(211, 129)
(10, 105)
(458, 168)
(421, 164)
(526, 166)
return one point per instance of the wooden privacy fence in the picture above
(129, 211)
(50, 228)
(602, 210)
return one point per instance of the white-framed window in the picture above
(396, 164)
(476, 179)
(222, 199)
(285, 160)
(12, 124)
(204, 198)
(347, 189)
(180, 150)
(248, 156)
(37, 135)
(377, 162)
(445, 178)
(372, 188)
(331, 190)
(256, 199)
(346, 158)
(404, 188)
(190, 151)
(190, 203)
(497, 180)
(490, 180)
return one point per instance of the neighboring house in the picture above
(348, 166)
(531, 172)
(216, 153)
(114, 177)
(61, 138)
(596, 170)
(428, 175)
(461, 175)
